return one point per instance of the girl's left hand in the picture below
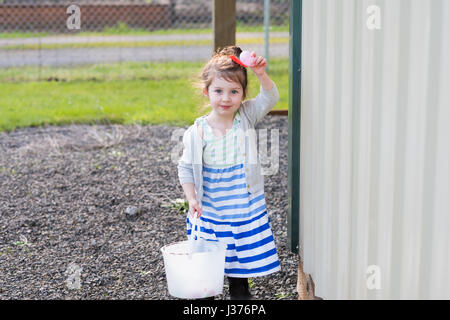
(259, 66)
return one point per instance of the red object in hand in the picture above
(246, 59)
(235, 59)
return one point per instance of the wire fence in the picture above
(46, 38)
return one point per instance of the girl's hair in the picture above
(221, 65)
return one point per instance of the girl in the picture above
(220, 171)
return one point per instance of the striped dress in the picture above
(230, 214)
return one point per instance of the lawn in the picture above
(135, 44)
(131, 92)
(123, 29)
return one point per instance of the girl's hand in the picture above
(194, 207)
(259, 66)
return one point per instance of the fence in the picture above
(57, 34)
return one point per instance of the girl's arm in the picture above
(265, 81)
(186, 174)
(185, 170)
(189, 192)
(259, 69)
(255, 109)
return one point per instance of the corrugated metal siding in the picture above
(375, 148)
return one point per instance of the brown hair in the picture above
(220, 65)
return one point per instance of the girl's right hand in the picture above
(194, 207)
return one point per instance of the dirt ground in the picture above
(84, 211)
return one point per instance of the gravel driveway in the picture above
(84, 211)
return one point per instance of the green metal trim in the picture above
(295, 63)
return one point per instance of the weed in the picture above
(282, 295)
(23, 243)
(181, 205)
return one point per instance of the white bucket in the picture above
(194, 274)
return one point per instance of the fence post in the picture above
(266, 31)
(295, 63)
(224, 23)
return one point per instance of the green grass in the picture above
(123, 29)
(134, 44)
(97, 72)
(146, 93)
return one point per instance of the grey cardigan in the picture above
(190, 165)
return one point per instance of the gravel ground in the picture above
(84, 211)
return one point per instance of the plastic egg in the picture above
(247, 58)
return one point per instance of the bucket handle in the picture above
(194, 223)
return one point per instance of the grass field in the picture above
(134, 44)
(123, 29)
(145, 93)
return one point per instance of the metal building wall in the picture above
(375, 149)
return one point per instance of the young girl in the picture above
(220, 171)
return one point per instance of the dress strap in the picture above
(206, 129)
(208, 134)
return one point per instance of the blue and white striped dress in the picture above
(232, 215)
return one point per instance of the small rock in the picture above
(132, 212)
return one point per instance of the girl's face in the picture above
(225, 97)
